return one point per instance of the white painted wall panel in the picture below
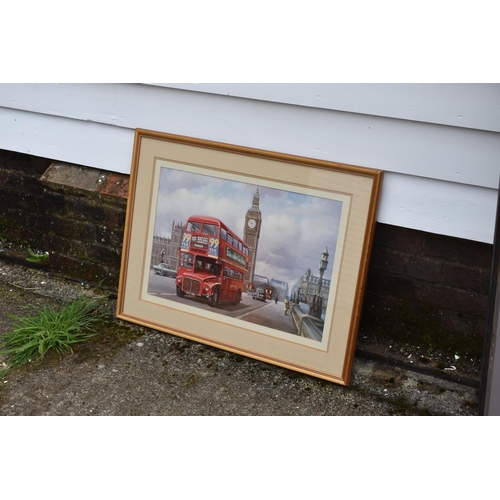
(438, 207)
(447, 153)
(475, 105)
(440, 178)
(84, 143)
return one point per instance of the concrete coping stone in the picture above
(87, 179)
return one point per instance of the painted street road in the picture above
(254, 311)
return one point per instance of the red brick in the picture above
(115, 185)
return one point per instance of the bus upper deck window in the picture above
(194, 227)
(223, 233)
(210, 229)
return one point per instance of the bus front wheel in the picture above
(214, 298)
(180, 293)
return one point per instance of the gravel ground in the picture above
(131, 370)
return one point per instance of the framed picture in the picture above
(260, 253)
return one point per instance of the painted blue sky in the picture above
(296, 228)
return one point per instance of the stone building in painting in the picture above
(166, 249)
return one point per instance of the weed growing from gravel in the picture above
(31, 337)
(37, 257)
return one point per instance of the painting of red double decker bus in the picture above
(212, 262)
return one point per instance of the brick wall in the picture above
(422, 288)
(21, 199)
(427, 289)
(77, 214)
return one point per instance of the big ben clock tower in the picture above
(251, 233)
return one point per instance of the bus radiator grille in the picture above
(191, 286)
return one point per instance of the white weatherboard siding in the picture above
(439, 144)
(458, 105)
(74, 141)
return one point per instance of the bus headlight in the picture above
(207, 288)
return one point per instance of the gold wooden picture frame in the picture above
(260, 253)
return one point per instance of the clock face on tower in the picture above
(251, 223)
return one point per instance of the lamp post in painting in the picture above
(323, 264)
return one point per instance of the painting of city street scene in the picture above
(244, 250)
(263, 254)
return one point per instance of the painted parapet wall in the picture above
(307, 326)
(438, 144)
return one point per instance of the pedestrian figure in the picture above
(275, 299)
(287, 305)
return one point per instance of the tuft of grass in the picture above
(31, 337)
(37, 257)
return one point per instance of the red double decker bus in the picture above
(212, 261)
